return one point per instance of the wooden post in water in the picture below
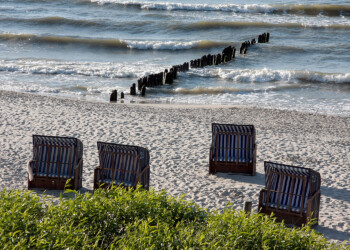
(187, 67)
(218, 59)
(203, 61)
(169, 77)
(161, 76)
(122, 95)
(143, 90)
(175, 72)
(133, 89)
(113, 96)
(139, 84)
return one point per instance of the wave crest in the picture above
(269, 75)
(52, 20)
(221, 24)
(110, 43)
(114, 43)
(89, 69)
(296, 9)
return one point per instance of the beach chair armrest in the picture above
(97, 169)
(139, 177)
(313, 203)
(80, 163)
(144, 170)
(30, 170)
(211, 150)
(261, 195)
(314, 196)
(78, 174)
(254, 152)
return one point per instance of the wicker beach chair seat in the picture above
(55, 160)
(233, 148)
(122, 164)
(292, 193)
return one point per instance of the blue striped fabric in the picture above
(52, 153)
(119, 163)
(294, 178)
(230, 137)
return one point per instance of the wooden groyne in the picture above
(168, 76)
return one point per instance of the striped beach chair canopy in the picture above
(121, 163)
(232, 142)
(289, 187)
(55, 156)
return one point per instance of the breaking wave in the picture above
(139, 69)
(110, 43)
(51, 20)
(172, 45)
(52, 67)
(58, 20)
(225, 90)
(113, 43)
(221, 24)
(269, 75)
(296, 9)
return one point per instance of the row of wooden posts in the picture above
(168, 76)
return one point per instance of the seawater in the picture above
(86, 48)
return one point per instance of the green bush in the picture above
(127, 219)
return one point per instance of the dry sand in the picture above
(178, 138)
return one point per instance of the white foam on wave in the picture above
(94, 69)
(295, 9)
(269, 75)
(275, 100)
(161, 45)
(239, 8)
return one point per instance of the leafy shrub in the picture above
(138, 219)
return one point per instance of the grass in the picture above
(127, 219)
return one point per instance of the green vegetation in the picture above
(127, 219)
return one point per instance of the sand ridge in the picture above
(178, 137)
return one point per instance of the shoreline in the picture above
(178, 137)
(165, 105)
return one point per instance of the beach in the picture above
(178, 138)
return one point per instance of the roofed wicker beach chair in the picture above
(291, 193)
(55, 160)
(122, 164)
(233, 149)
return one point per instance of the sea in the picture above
(84, 49)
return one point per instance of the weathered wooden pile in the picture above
(168, 76)
(264, 38)
(208, 60)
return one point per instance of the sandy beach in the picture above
(178, 138)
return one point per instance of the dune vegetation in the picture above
(139, 219)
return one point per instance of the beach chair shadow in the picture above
(291, 193)
(55, 161)
(257, 179)
(233, 149)
(122, 165)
